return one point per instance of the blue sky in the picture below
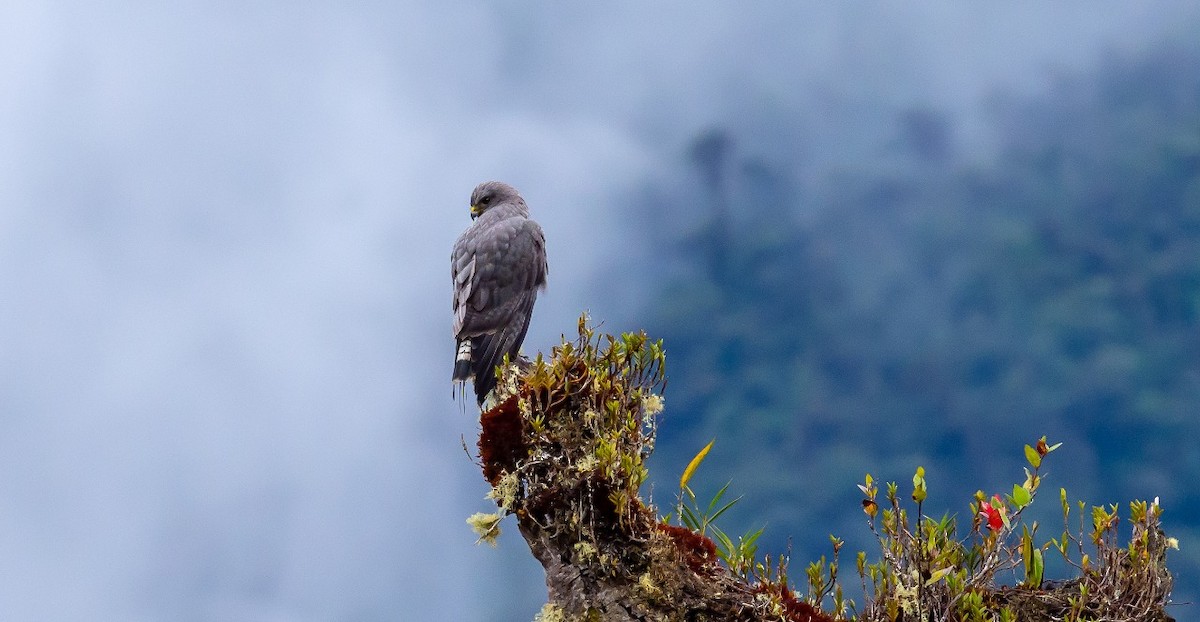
(224, 238)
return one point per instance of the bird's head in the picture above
(491, 193)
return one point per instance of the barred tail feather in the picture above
(480, 355)
(462, 361)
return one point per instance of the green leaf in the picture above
(938, 574)
(1031, 454)
(688, 517)
(717, 498)
(1021, 496)
(721, 511)
(1035, 580)
(726, 545)
(749, 540)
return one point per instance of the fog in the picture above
(224, 238)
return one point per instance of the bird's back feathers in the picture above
(497, 267)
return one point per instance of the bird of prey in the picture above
(498, 266)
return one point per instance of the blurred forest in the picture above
(930, 308)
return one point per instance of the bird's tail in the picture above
(462, 361)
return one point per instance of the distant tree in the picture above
(937, 311)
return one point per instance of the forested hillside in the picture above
(935, 308)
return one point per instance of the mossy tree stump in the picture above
(564, 449)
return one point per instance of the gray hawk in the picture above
(498, 266)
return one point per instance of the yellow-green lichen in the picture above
(550, 613)
(647, 586)
(504, 493)
(487, 526)
(585, 551)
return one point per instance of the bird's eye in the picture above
(485, 200)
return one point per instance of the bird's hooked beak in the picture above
(475, 211)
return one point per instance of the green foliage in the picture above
(738, 556)
(928, 570)
(576, 426)
(606, 393)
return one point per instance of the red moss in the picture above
(794, 609)
(501, 440)
(698, 551)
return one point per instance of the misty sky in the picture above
(224, 242)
